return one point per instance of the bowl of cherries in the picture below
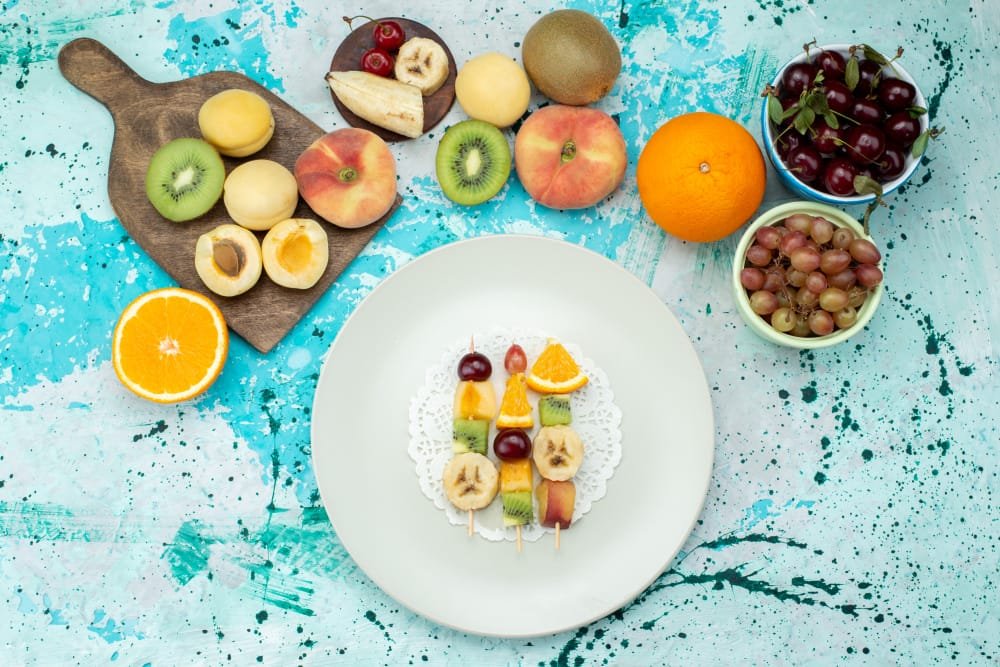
(843, 124)
(806, 275)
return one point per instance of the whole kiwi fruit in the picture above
(571, 57)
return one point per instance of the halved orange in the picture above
(169, 345)
(515, 410)
(555, 371)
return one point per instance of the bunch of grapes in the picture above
(806, 276)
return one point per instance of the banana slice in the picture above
(558, 452)
(422, 62)
(470, 481)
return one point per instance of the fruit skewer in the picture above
(513, 446)
(470, 479)
(557, 449)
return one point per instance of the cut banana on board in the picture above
(558, 452)
(470, 481)
(388, 103)
(422, 62)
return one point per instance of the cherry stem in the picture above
(349, 19)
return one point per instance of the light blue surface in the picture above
(853, 513)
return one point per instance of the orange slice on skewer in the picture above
(515, 410)
(555, 371)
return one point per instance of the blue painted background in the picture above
(853, 514)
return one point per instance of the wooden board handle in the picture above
(94, 69)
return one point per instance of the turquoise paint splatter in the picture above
(111, 631)
(221, 42)
(188, 553)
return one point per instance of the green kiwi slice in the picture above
(554, 410)
(517, 509)
(470, 435)
(185, 179)
(473, 162)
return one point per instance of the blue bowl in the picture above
(804, 190)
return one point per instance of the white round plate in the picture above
(369, 484)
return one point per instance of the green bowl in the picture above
(759, 325)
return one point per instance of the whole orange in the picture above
(701, 176)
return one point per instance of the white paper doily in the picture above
(596, 419)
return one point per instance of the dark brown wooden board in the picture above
(147, 115)
(348, 58)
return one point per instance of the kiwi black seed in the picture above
(473, 162)
(184, 179)
(517, 508)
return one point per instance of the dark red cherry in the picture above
(902, 128)
(804, 163)
(865, 144)
(896, 94)
(788, 142)
(512, 444)
(866, 111)
(838, 178)
(827, 139)
(838, 96)
(474, 366)
(867, 72)
(832, 64)
(891, 164)
(797, 78)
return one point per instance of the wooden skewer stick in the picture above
(472, 528)
(518, 538)
(558, 523)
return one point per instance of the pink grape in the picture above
(795, 277)
(868, 275)
(758, 255)
(820, 322)
(842, 237)
(834, 261)
(782, 297)
(799, 222)
(763, 302)
(845, 317)
(821, 230)
(806, 299)
(805, 259)
(752, 278)
(844, 280)
(801, 327)
(864, 251)
(856, 296)
(791, 241)
(816, 282)
(774, 279)
(768, 237)
(783, 319)
(832, 299)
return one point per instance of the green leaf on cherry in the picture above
(872, 54)
(916, 112)
(852, 75)
(865, 185)
(804, 120)
(774, 109)
(790, 111)
(920, 145)
(831, 120)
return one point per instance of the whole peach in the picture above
(569, 157)
(348, 177)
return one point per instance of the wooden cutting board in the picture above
(146, 116)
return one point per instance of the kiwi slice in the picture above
(517, 509)
(473, 162)
(554, 410)
(185, 179)
(470, 435)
